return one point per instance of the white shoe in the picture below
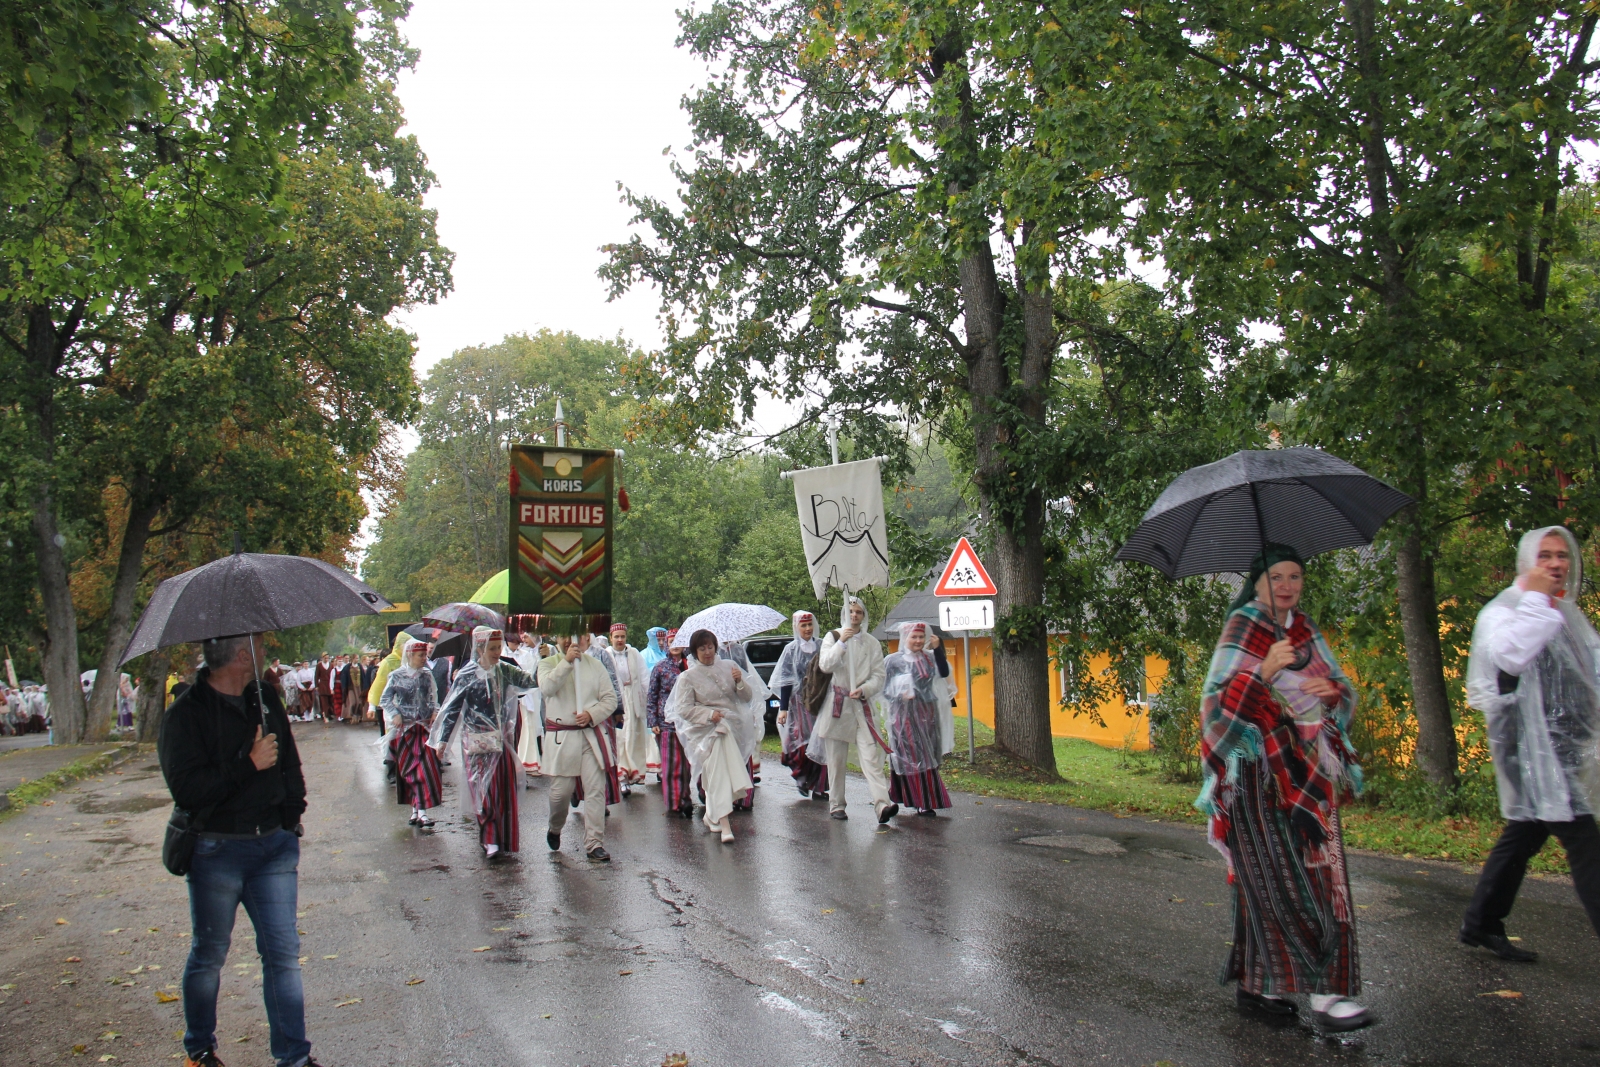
(490, 850)
(727, 835)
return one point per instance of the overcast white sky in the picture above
(530, 112)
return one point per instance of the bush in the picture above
(1175, 729)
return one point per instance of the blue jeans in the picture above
(262, 874)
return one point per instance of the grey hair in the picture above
(221, 651)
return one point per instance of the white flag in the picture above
(842, 526)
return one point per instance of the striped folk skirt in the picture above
(1292, 927)
(809, 776)
(924, 790)
(674, 773)
(416, 769)
(497, 819)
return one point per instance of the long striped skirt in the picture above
(674, 772)
(810, 776)
(497, 819)
(416, 769)
(1293, 931)
(748, 801)
(924, 790)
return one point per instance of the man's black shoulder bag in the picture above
(183, 830)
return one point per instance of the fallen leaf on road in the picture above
(110, 1035)
(484, 948)
(73, 959)
(415, 981)
(118, 930)
(241, 1040)
(107, 1058)
(61, 922)
(68, 981)
(166, 998)
(501, 929)
(1175, 900)
(302, 933)
(155, 929)
(79, 1050)
(858, 981)
(1509, 994)
(545, 1016)
(827, 911)
(624, 973)
(153, 967)
(347, 1003)
(137, 970)
(332, 957)
(9, 986)
(676, 1059)
(337, 851)
(303, 959)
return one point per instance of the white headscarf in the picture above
(808, 647)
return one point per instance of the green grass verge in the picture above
(1129, 783)
(42, 787)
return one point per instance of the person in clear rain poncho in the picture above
(855, 660)
(916, 699)
(715, 711)
(579, 699)
(408, 705)
(795, 721)
(485, 699)
(637, 750)
(1534, 672)
(735, 653)
(655, 648)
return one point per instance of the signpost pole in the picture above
(966, 660)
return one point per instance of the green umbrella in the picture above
(496, 590)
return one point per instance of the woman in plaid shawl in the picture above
(1277, 759)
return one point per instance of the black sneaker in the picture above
(819, 794)
(804, 791)
(599, 855)
(888, 813)
(928, 813)
(208, 1058)
(1499, 944)
(553, 840)
(1256, 1002)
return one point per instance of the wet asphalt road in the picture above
(1006, 933)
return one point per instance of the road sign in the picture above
(966, 615)
(964, 575)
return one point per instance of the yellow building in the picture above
(1125, 723)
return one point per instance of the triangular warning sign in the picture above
(964, 575)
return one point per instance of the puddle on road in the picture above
(128, 805)
(816, 1022)
(1093, 845)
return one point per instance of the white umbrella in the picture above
(732, 622)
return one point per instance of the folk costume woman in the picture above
(409, 704)
(713, 710)
(795, 721)
(485, 698)
(916, 699)
(1274, 715)
(655, 648)
(855, 660)
(676, 782)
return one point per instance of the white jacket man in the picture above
(636, 745)
(578, 698)
(855, 660)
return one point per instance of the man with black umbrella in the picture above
(229, 757)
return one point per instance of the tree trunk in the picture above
(60, 647)
(152, 703)
(1419, 616)
(119, 619)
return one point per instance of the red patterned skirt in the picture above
(674, 772)
(924, 790)
(1288, 933)
(416, 769)
(497, 819)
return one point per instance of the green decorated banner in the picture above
(561, 530)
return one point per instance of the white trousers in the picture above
(725, 778)
(594, 798)
(869, 755)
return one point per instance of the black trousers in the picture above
(1508, 862)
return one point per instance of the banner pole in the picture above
(966, 660)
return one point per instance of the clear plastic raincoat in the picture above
(1535, 674)
(487, 702)
(717, 750)
(854, 664)
(654, 651)
(408, 696)
(916, 703)
(790, 671)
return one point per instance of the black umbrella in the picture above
(1218, 517)
(445, 643)
(248, 592)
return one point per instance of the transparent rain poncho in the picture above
(791, 671)
(654, 651)
(701, 689)
(486, 700)
(1535, 674)
(409, 698)
(858, 664)
(916, 703)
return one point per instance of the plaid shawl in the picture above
(1242, 718)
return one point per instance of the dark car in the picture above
(764, 653)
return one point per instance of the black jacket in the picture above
(205, 756)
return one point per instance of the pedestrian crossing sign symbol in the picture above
(964, 574)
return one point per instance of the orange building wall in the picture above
(1120, 728)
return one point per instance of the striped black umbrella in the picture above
(1216, 518)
